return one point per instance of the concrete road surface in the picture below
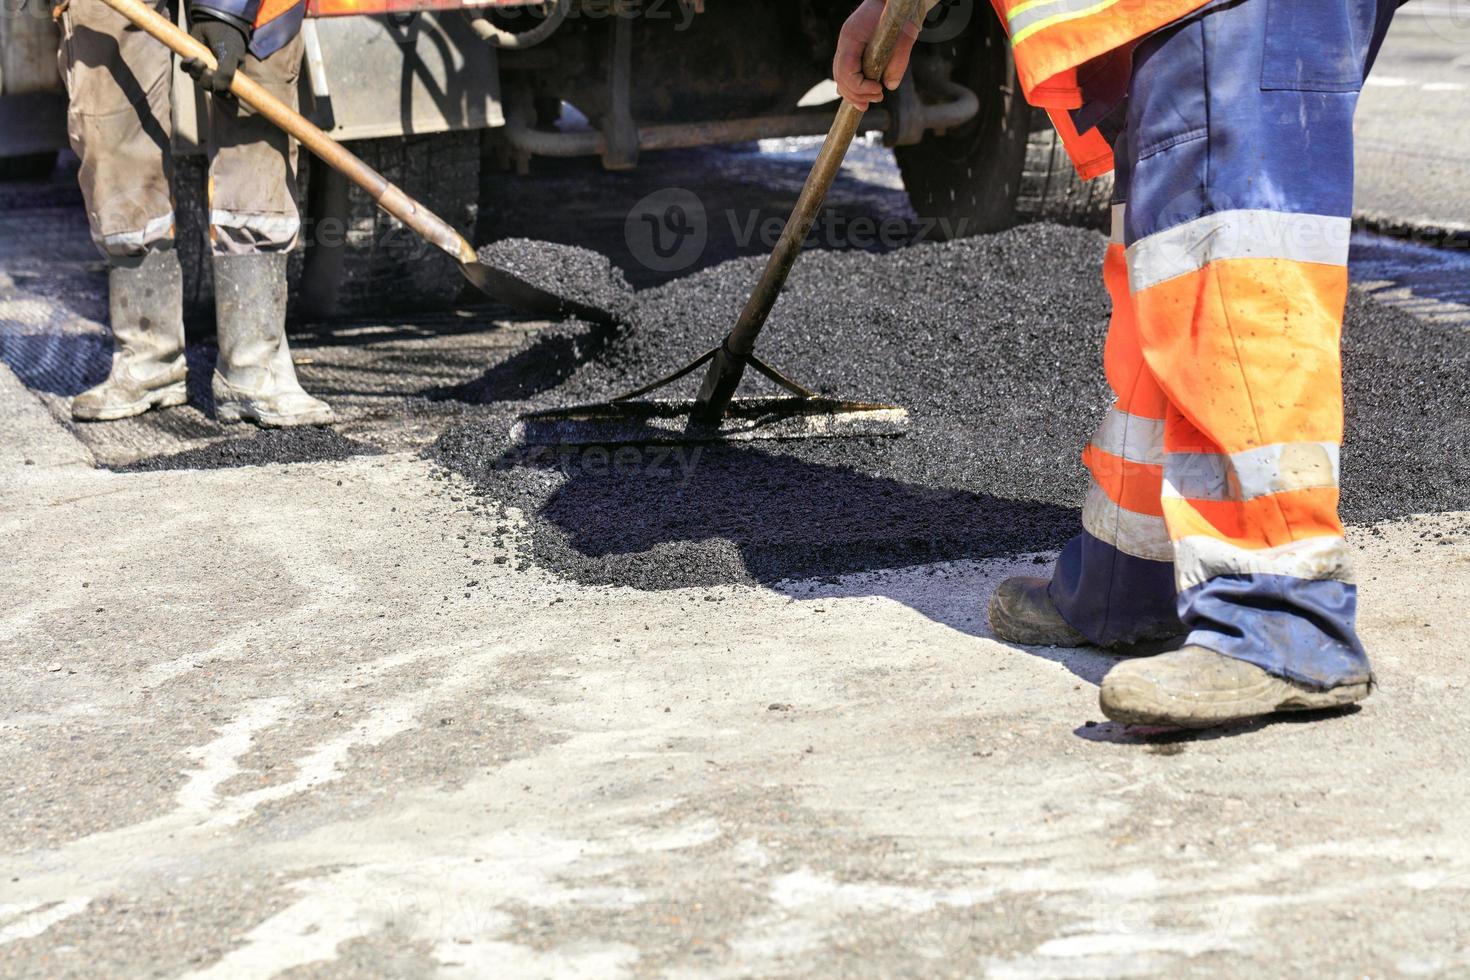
(1413, 138)
(259, 722)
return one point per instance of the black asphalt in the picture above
(994, 345)
(257, 448)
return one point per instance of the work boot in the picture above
(1198, 688)
(254, 377)
(145, 301)
(1021, 611)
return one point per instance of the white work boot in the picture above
(1199, 688)
(254, 378)
(145, 299)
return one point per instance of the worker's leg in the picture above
(252, 164)
(1114, 583)
(254, 223)
(1240, 123)
(118, 79)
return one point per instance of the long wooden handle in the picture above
(741, 342)
(896, 13)
(387, 195)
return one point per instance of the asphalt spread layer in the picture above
(994, 345)
(574, 275)
(298, 445)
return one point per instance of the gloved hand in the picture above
(847, 67)
(228, 44)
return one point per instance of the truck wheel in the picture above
(358, 259)
(1050, 187)
(966, 180)
(191, 239)
(30, 166)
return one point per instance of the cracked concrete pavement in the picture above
(299, 720)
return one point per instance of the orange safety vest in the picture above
(1052, 38)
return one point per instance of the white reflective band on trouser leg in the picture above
(1120, 211)
(1199, 558)
(1139, 535)
(1253, 473)
(1131, 437)
(1195, 244)
(132, 242)
(271, 227)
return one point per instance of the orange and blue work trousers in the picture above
(1214, 497)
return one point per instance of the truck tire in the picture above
(191, 239)
(29, 166)
(1050, 187)
(965, 181)
(358, 259)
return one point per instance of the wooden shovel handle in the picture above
(388, 197)
(896, 13)
(741, 341)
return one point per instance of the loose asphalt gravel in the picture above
(994, 346)
(578, 276)
(298, 445)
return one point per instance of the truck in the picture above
(434, 93)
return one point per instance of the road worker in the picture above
(1212, 519)
(119, 121)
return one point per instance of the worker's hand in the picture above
(226, 41)
(847, 67)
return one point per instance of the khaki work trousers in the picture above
(120, 82)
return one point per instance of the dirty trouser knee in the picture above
(118, 121)
(252, 168)
(1238, 158)
(1114, 582)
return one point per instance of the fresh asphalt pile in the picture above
(993, 344)
(576, 275)
(298, 445)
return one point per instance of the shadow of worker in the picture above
(660, 518)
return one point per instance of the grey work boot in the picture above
(145, 299)
(1198, 688)
(254, 377)
(1021, 611)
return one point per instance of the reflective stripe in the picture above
(276, 227)
(131, 242)
(1131, 437)
(1139, 535)
(1199, 558)
(1119, 212)
(1027, 18)
(1252, 473)
(1260, 234)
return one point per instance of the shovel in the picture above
(497, 283)
(715, 414)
